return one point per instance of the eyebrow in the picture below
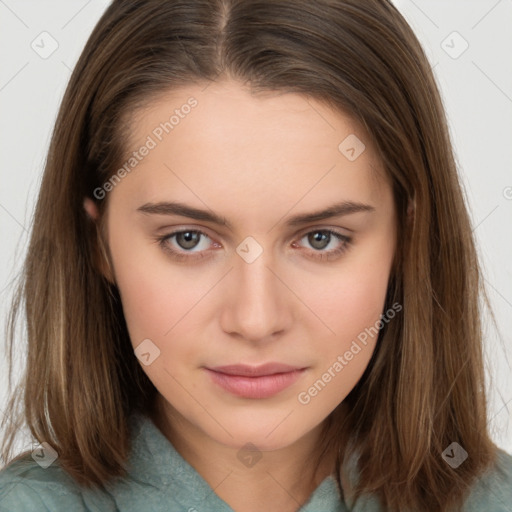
(183, 210)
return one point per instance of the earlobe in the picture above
(91, 208)
(411, 207)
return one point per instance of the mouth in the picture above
(255, 381)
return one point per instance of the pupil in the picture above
(190, 239)
(317, 237)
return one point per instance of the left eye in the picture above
(319, 240)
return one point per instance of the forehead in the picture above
(231, 109)
(220, 141)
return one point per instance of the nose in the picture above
(258, 306)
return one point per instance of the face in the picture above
(220, 261)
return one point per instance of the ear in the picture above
(91, 209)
(101, 259)
(411, 207)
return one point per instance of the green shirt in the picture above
(159, 479)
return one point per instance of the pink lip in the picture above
(246, 370)
(255, 381)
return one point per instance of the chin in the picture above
(274, 436)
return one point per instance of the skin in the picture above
(256, 161)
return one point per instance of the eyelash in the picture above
(317, 254)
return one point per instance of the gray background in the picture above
(476, 84)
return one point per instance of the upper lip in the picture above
(255, 371)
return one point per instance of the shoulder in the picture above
(156, 479)
(26, 486)
(493, 491)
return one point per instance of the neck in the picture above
(282, 479)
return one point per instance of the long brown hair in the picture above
(424, 386)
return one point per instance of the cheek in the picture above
(353, 314)
(154, 296)
(354, 300)
(158, 304)
(350, 306)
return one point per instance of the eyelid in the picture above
(334, 229)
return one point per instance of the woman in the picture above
(252, 282)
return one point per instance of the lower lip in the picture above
(255, 387)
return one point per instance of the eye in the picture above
(320, 239)
(188, 239)
(185, 241)
(187, 244)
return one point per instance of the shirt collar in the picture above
(154, 460)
